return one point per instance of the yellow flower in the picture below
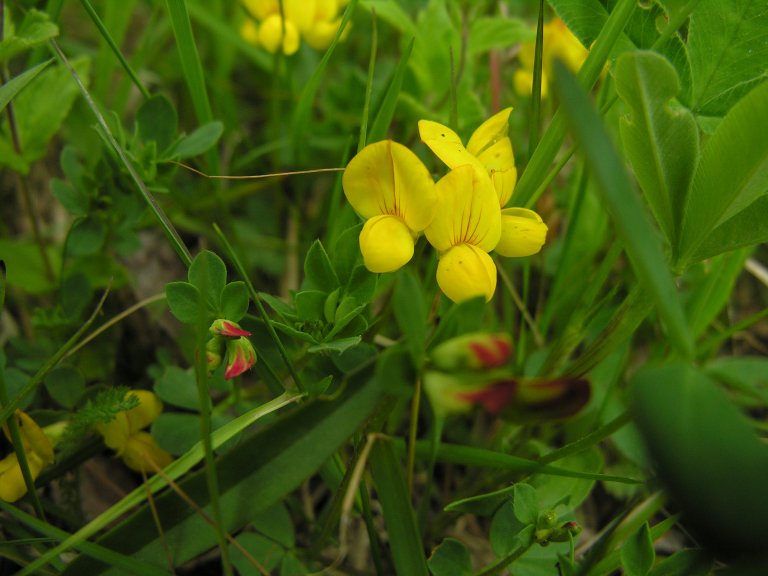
(389, 186)
(523, 233)
(489, 150)
(138, 449)
(560, 44)
(273, 38)
(466, 226)
(39, 452)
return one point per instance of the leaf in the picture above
(525, 503)
(200, 141)
(706, 454)
(268, 552)
(661, 143)
(390, 12)
(507, 531)
(310, 305)
(282, 308)
(25, 268)
(66, 386)
(208, 274)
(10, 89)
(640, 239)
(688, 562)
(399, 518)
(732, 172)
(289, 450)
(747, 228)
(184, 301)
(490, 33)
(340, 345)
(450, 558)
(156, 120)
(411, 314)
(234, 301)
(383, 119)
(86, 237)
(35, 29)
(318, 270)
(728, 47)
(637, 554)
(178, 387)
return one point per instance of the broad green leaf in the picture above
(25, 268)
(690, 562)
(507, 531)
(525, 501)
(35, 28)
(399, 518)
(450, 558)
(66, 385)
(706, 454)
(411, 314)
(74, 199)
(568, 492)
(362, 285)
(318, 270)
(490, 33)
(176, 432)
(640, 239)
(310, 305)
(234, 301)
(276, 523)
(184, 301)
(156, 120)
(208, 274)
(728, 47)
(747, 228)
(178, 387)
(289, 451)
(86, 237)
(199, 141)
(747, 375)
(10, 89)
(732, 172)
(637, 554)
(268, 553)
(661, 143)
(340, 345)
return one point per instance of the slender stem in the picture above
(535, 126)
(509, 285)
(412, 433)
(369, 85)
(589, 440)
(497, 567)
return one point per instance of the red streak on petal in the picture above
(493, 398)
(229, 329)
(489, 357)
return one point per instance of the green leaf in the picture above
(66, 385)
(339, 345)
(525, 502)
(411, 314)
(706, 454)
(640, 239)
(460, 319)
(482, 504)
(176, 432)
(661, 143)
(268, 553)
(35, 29)
(290, 450)
(178, 387)
(490, 33)
(208, 274)
(747, 228)
(688, 562)
(310, 305)
(399, 518)
(507, 531)
(184, 301)
(10, 89)
(450, 558)
(390, 12)
(275, 522)
(74, 199)
(732, 172)
(728, 47)
(568, 492)
(383, 119)
(362, 285)
(156, 120)
(637, 554)
(234, 301)
(200, 141)
(318, 270)
(282, 308)
(86, 236)
(25, 268)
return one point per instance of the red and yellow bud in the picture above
(475, 351)
(227, 328)
(213, 357)
(240, 357)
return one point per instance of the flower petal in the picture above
(386, 244)
(523, 233)
(467, 211)
(489, 132)
(149, 408)
(142, 454)
(446, 145)
(387, 178)
(271, 35)
(499, 160)
(465, 271)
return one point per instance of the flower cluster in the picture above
(559, 44)
(462, 215)
(38, 450)
(228, 335)
(125, 434)
(471, 370)
(314, 21)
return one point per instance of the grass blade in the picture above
(10, 89)
(388, 104)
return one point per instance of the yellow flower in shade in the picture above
(389, 186)
(38, 450)
(559, 44)
(523, 233)
(489, 150)
(466, 226)
(124, 434)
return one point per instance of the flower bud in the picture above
(475, 351)
(240, 357)
(537, 400)
(227, 328)
(213, 349)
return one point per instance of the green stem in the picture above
(675, 22)
(506, 561)
(413, 427)
(535, 126)
(369, 85)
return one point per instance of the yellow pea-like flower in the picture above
(274, 38)
(39, 453)
(523, 233)
(391, 188)
(489, 150)
(466, 226)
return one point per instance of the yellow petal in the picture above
(467, 211)
(115, 432)
(489, 132)
(322, 33)
(149, 408)
(141, 453)
(271, 34)
(34, 439)
(261, 9)
(301, 13)
(12, 485)
(465, 272)
(522, 233)
(386, 244)
(387, 178)
(499, 160)
(250, 32)
(446, 145)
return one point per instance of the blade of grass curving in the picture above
(369, 84)
(640, 239)
(535, 119)
(260, 307)
(114, 47)
(404, 539)
(548, 147)
(176, 469)
(388, 104)
(300, 120)
(126, 563)
(165, 223)
(10, 89)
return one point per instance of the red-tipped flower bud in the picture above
(476, 351)
(240, 357)
(227, 328)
